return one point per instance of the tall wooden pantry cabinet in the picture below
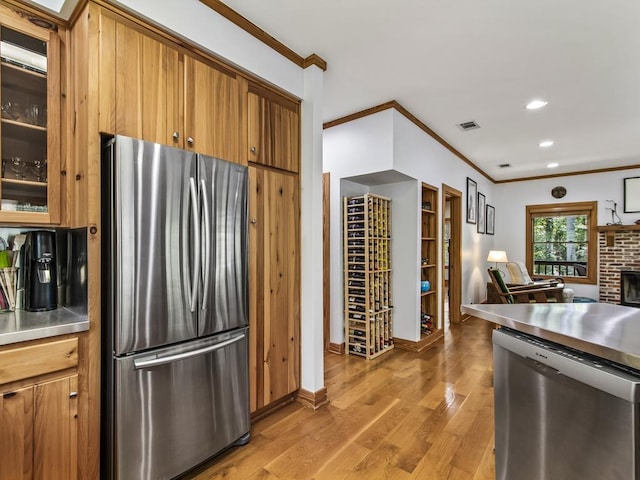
(274, 247)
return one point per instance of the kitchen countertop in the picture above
(21, 325)
(602, 329)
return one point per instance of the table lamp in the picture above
(497, 256)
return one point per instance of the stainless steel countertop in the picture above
(602, 329)
(21, 325)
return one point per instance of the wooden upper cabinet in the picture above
(212, 111)
(139, 95)
(152, 91)
(273, 131)
(142, 91)
(30, 128)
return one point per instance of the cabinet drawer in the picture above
(26, 362)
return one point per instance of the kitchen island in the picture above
(605, 330)
(566, 390)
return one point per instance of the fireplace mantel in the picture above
(610, 231)
(618, 250)
(617, 228)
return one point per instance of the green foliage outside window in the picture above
(560, 239)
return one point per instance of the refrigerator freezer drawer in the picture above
(176, 407)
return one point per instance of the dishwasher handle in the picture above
(150, 362)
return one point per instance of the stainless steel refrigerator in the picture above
(175, 327)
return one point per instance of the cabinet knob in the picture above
(73, 394)
(176, 135)
(253, 220)
(190, 140)
(253, 149)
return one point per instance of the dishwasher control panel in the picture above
(618, 380)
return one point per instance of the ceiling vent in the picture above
(504, 165)
(468, 125)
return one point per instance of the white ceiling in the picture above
(58, 8)
(450, 61)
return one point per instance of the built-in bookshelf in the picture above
(430, 329)
(367, 275)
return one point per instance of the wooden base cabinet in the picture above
(16, 434)
(274, 285)
(38, 431)
(39, 410)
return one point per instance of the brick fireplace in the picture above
(619, 250)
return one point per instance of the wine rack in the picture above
(367, 275)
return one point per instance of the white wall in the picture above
(405, 250)
(420, 156)
(389, 141)
(512, 199)
(355, 148)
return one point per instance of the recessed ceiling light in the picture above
(536, 104)
(546, 143)
(553, 165)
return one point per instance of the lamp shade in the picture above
(498, 256)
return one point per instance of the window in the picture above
(562, 241)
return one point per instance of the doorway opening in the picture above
(451, 242)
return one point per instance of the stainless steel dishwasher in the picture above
(561, 414)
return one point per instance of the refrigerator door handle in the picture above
(207, 244)
(196, 256)
(150, 362)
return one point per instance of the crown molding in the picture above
(316, 60)
(569, 174)
(252, 29)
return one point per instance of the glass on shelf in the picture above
(39, 170)
(10, 110)
(17, 167)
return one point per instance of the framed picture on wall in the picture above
(482, 218)
(491, 220)
(472, 201)
(632, 195)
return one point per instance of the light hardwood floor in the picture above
(405, 415)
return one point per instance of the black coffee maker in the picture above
(40, 284)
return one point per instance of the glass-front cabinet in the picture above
(30, 124)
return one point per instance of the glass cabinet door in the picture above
(24, 123)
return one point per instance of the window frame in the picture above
(590, 209)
